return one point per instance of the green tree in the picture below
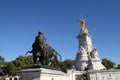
(29, 60)
(1, 65)
(108, 64)
(118, 67)
(62, 66)
(12, 67)
(1, 60)
(22, 61)
(9, 68)
(66, 64)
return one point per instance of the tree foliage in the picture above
(118, 67)
(1, 59)
(1, 65)
(9, 68)
(66, 64)
(108, 64)
(12, 67)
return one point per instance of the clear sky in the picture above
(20, 21)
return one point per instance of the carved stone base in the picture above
(40, 73)
(103, 75)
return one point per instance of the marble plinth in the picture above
(54, 74)
(104, 75)
(41, 74)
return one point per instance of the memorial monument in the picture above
(87, 57)
(87, 65)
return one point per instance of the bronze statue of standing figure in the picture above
(42, 52)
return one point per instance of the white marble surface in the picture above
(87, 56)
(49, 74)
(42, 74)
(104, 75)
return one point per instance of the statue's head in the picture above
(40, 32)
(82, 22)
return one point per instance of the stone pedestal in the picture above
(54, 74)
(41, 74)
(104, 75)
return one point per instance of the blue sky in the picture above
(20, 20)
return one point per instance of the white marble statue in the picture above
(87, 56)
(82, 58)
(94, 54)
